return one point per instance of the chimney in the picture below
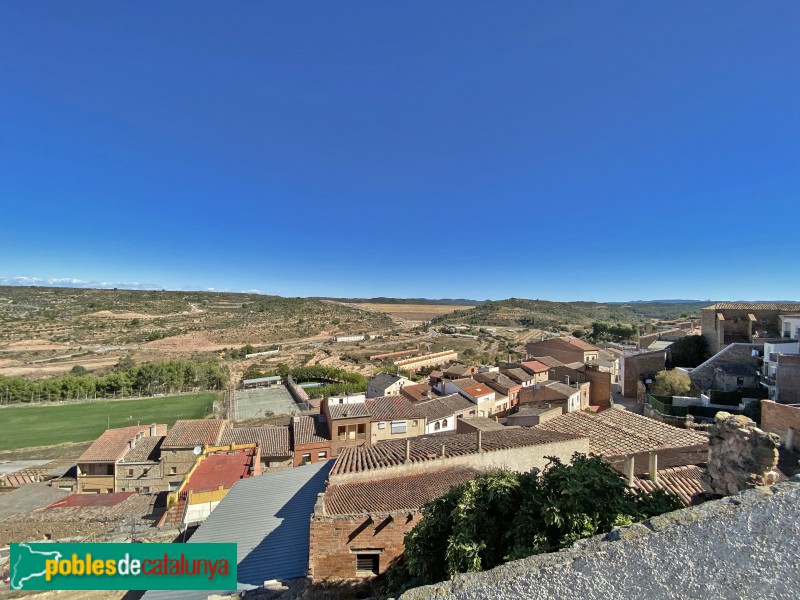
(653, 467)
(153, 430)
(629, 466)
(479, 441)
(408, 449)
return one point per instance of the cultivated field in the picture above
(413, 312)
(48, 425)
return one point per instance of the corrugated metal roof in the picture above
(268, 517)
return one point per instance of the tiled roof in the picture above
(477, 391)
(483, 423)
(418, 392)
(112, 444)
(348, 411)
(446, 406)
(195, 432)
(562, 388)
(273, 441)
(520, 375)
(221, 469)
(408, 492)
(387, 408)
(683, 482)
(617, 432)
(384, 380)
(578, 343)
(465, 382)
(535, 365)
(753, 306)
(457, 369)
(549, 361)
(147, 449)
(309, 430)
(740, 369)
(392, 453)
(496, 380)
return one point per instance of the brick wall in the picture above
(780, 419)
(600, 390)
(336, 540)
(313, 449)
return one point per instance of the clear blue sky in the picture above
(583, 150)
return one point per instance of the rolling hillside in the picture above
(542, 314)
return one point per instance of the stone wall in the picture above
(783, 420)
(741, 455)
(738, 547)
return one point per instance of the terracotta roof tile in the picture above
(683, 482)
(408, 492)
(112, 444)
(348, 411)
(309, 430)
(221, 469)
(446, 406)
(782, 306)
(146, 450)
(387, 408)
(520, 375)
(478, 391)
(273, 441)
(619, 432)
(195, 432)
(418, 392)
(535, 366)
(424, 448)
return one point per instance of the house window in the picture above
(367, 564)
(415, 423)
(437, 427)
(352, 432)
(444, 422)
(173, 470)
(381, 425)
(145, 490)
(398, 426)
(322, 454)
(130, 473)
(740, 381)
(306, 458)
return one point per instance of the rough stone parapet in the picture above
(740, 455)
(743, 546)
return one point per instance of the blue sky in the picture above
(585, 150)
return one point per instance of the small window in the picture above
(145, 490)
(416, 423)
(437, 426)
(130, 474)
(740, 381)
(306, 458)
(173, 470)
(322, 454)
(382, 425)
(367, 564)
(398, 426)
(444, 422)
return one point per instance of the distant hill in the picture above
(92, 316)
(382, 300)
(542, 314)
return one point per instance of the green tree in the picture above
(671, 383)
(504, 516)
(689, 351)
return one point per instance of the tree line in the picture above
(126, 379)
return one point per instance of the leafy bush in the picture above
(671, 383)
(690, 351)
(504, 516)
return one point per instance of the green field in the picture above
(28, 426)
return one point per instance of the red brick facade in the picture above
(336, 541)
(783, 420)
